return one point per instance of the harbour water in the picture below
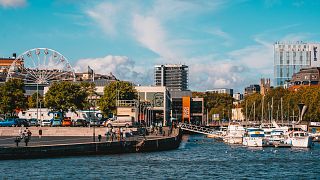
(197, 158)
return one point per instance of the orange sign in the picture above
(186, 109)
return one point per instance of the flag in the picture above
(90, 71)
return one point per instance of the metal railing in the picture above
(197, 129)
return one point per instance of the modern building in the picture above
(290, 57)
(253, 88)
(305, 77)
(221, 91)
(188, 110)
(155, 103)
(173, 76)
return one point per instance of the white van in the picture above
(119, 121)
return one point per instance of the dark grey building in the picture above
(173, 76)
(253, 88)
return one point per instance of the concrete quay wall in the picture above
(57, 131)
(92, 148)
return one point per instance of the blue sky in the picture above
(226, 43)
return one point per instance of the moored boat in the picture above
(254, 137)
(234, 134)
(299, 139)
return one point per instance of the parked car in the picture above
(56, 122)
(22, 122)
(34, 122)
(96, 122)
(80, 122)
(46, 122)
(119, 121)
(9, 122)
(66, 122)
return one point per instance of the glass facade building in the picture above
(290, 57)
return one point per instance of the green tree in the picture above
(32, 100)
(64, 96)
(217, 103)
(121, 90)
(90, 88)
(12, 96)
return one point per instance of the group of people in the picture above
(120, 134)
(23, 135)
(26, 133)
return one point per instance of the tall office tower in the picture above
(290, 57)
(173, 76)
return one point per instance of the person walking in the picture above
(29, 134)
(121, 133)
(124, 135)
(107, 134)
(113, 134)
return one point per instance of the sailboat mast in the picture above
(262, 116)
(254, 111)
(247, 112)
(271, 110)
(281, 111)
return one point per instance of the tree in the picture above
(90, 88)
(216, 103)
(12, 96)
(288, 109)
(32, 100)
(120, 90)
(63, 96)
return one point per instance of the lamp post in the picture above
(37, 101)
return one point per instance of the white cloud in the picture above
(12, 3)
(121, 66)
(215, 75)
(105, 16)
(222, 34)
(149, 32)
(258, 57)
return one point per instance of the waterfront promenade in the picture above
(54, 146)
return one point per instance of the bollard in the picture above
(26, 140)
(40, 133)
(17, 140)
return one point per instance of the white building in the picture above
(290, 57)
(238, 96)
(221, 91)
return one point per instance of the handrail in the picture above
(197, 129)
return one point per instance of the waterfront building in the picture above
(237, 114)
(157, 103)
(173, 76)
(253, 88)
(185, 108)
(305, 77)
(221, 91)
(290, 57)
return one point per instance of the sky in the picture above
(225, 43)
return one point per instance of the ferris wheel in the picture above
(41, 66)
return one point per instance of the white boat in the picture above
(254, 137)
(274, 136)
(218, 135)
(234, 134)
(299, 139)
